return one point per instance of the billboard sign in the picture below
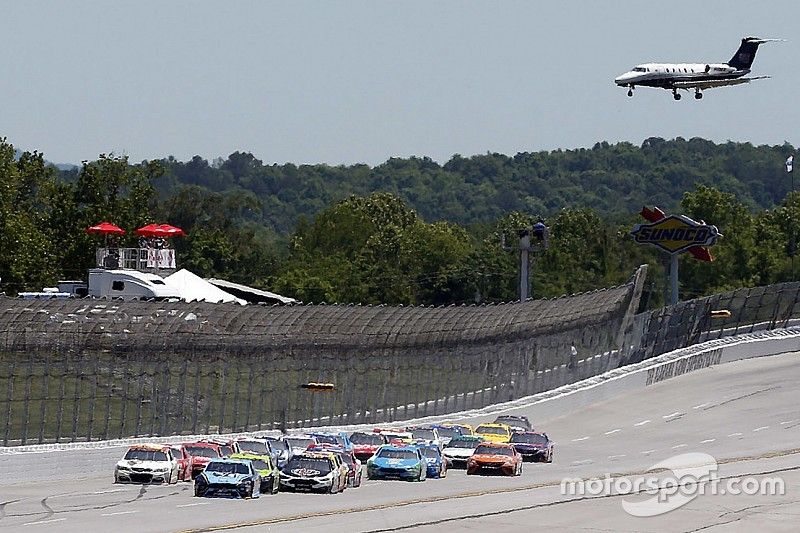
(675, 234)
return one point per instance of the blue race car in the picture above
(397, 462)
(337, 438)
(229, 477)
(437, 464)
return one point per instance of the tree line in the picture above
(410, 231)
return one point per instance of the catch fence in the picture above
(81, 370)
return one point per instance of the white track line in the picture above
(700, 406)
(735, 435)
(44, 522)
(643, 422)
(676, 413)
(761, 428)
(612, 431)
(707, 441)
(190, 505)
(580, 439)
(679, 446)
(647, 452)
(119, 513)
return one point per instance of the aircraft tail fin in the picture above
(744, 56)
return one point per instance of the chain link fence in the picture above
(82, 370)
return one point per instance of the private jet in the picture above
(697, 76)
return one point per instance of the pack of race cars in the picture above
(333, 461)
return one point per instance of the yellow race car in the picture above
(494, 432)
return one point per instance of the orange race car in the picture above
(495, 458)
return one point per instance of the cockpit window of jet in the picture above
(697, 76)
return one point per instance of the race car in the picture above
(427, 434)
(459, 449)
(494, 432)
(495, 458)
(448, 432)
(339, 438)
(147, 463)
(354, 470)
(466, 429)
(397, 462)
(395, 435)
(314, 472)
(298, 444)
(533, 446)
(515, 422)
(366, 444)
(225, 446)
(279, 448)
(202, 453)
(270, 475)
(228, 477)
(184, 462)
(437, 464)
(256, 446)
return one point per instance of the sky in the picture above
(343, 82)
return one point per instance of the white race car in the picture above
(460, 449)
(147, 463)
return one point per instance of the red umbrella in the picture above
(106, 228)
(150, 230)
(173, 231)
(160, 230)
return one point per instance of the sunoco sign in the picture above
(675, 234)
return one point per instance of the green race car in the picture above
(270, 475)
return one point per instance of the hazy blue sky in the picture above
(362, 81)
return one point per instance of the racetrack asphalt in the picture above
(744, 414)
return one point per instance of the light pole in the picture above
(531, 240)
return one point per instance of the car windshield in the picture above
(253, 446)
(317, 464)
(177, 453)
(449, 432)
(330, 439)
(431, 453)
(397, 454)
(260, 464)
(278, 445)
(463, 443)
(299, 442)
(511, 421)
(491, 430)
(202, 451)
(225, 450)
(425, 434)
(145, 455)
(492, 450)
(227, 468)
(529, 438)
(366, 438)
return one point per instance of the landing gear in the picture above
(698, 95)
(630, 91)
(675, 94)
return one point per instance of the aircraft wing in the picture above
(710, 84)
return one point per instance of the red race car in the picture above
(495, 458)
(184, 462)
(366, 444)
(202, 453)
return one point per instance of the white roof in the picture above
(244, 288)
(194, 288)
